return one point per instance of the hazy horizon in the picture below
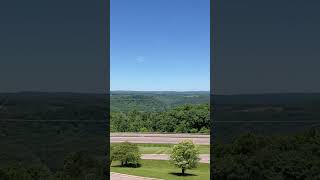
(208, 91)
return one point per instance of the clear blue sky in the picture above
(160, 45)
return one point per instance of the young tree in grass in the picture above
(185, 155)
(126, 153)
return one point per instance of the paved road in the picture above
(204, 158)
(118, 176)
(158, 138)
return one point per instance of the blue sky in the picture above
(160, 45)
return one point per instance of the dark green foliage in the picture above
(295, 157)
(80, 164)
(204, 130)
(18, 171)
(52, 106)
(302, 111)
(77, 166)
(127, 153)
(181, 119)
(34, 147)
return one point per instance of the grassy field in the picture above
(163, 170)
(166, 148)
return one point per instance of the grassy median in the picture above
(163, 170)
(166, 148)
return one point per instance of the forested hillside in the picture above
(265, 114)
(52, 106)
(183, 112)
(266, 136)
(125, 101)
(43, 135)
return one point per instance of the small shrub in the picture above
(144, 129)
(204, 130)
(193, 130)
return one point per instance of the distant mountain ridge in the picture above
(267, 98)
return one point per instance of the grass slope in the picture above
(163, 170)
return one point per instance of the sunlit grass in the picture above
(163, 170)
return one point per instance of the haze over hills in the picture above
(265, 114)
(52, 106)
(155, 100)
(267, 98)
(58, 103)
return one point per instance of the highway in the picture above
(149, 138)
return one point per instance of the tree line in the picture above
(185, 118)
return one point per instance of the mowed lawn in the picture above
(166, 148)
(163, 170)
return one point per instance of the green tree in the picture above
(185, 155)
(119, 122)
(127, 153)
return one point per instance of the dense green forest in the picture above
(43, 135)
(267, 137)
(30, 147)
(181, 119)
(76, 166)
(285, 157)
